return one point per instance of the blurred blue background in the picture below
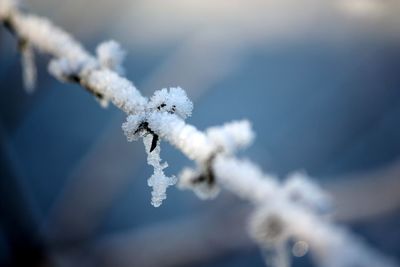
(318, 79)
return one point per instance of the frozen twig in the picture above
(190, 244)
(283, 211)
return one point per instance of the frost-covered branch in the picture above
(294, 210)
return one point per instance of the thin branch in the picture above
(296, 203)
(131, 248)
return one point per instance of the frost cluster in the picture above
(120, 91)
(49, 38)
(71, 62)
(131, 127)
(245, 179)
(270, 229)
(158, 181)
(151, 123)
(231, 136)
(274, 225)
(299, 188)
(70, 59)
(7, 7)
(200, 181)
(268, 226)
(173, 101)
(162, 113)
(226, 140)
(110, 56)
(192, 142)
(63, 69)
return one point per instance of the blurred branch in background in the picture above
(187, 241)
(358, 197)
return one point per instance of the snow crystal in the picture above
(63, 69)
(173, 101)
(231, 136)
(299, 188)
(120, 91)
(158, 181)
(186, 138)
(49, 38)
(245, 179)
(269, 228)
(196, 181)
(131, 127)
(111, 55)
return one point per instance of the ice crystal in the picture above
(231, 136)
(186, 138)
(199, 183)
(111, 55)
(174, 101)
(120, 91)
(269, 227)
(131, 127)
(50, 39)
(299, 188)
(245, 179)
(158, 181)
(63, 69)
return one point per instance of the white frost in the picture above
(173, 101)
(131, 126)
(231, 136)
(204, 190)
(111, 55)
(269, 228)
(120, 91)
(331, 246)
(158, 181)
(245, 179)
(49, 38)
(62, 69)
(299, 188)
(186, 138)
